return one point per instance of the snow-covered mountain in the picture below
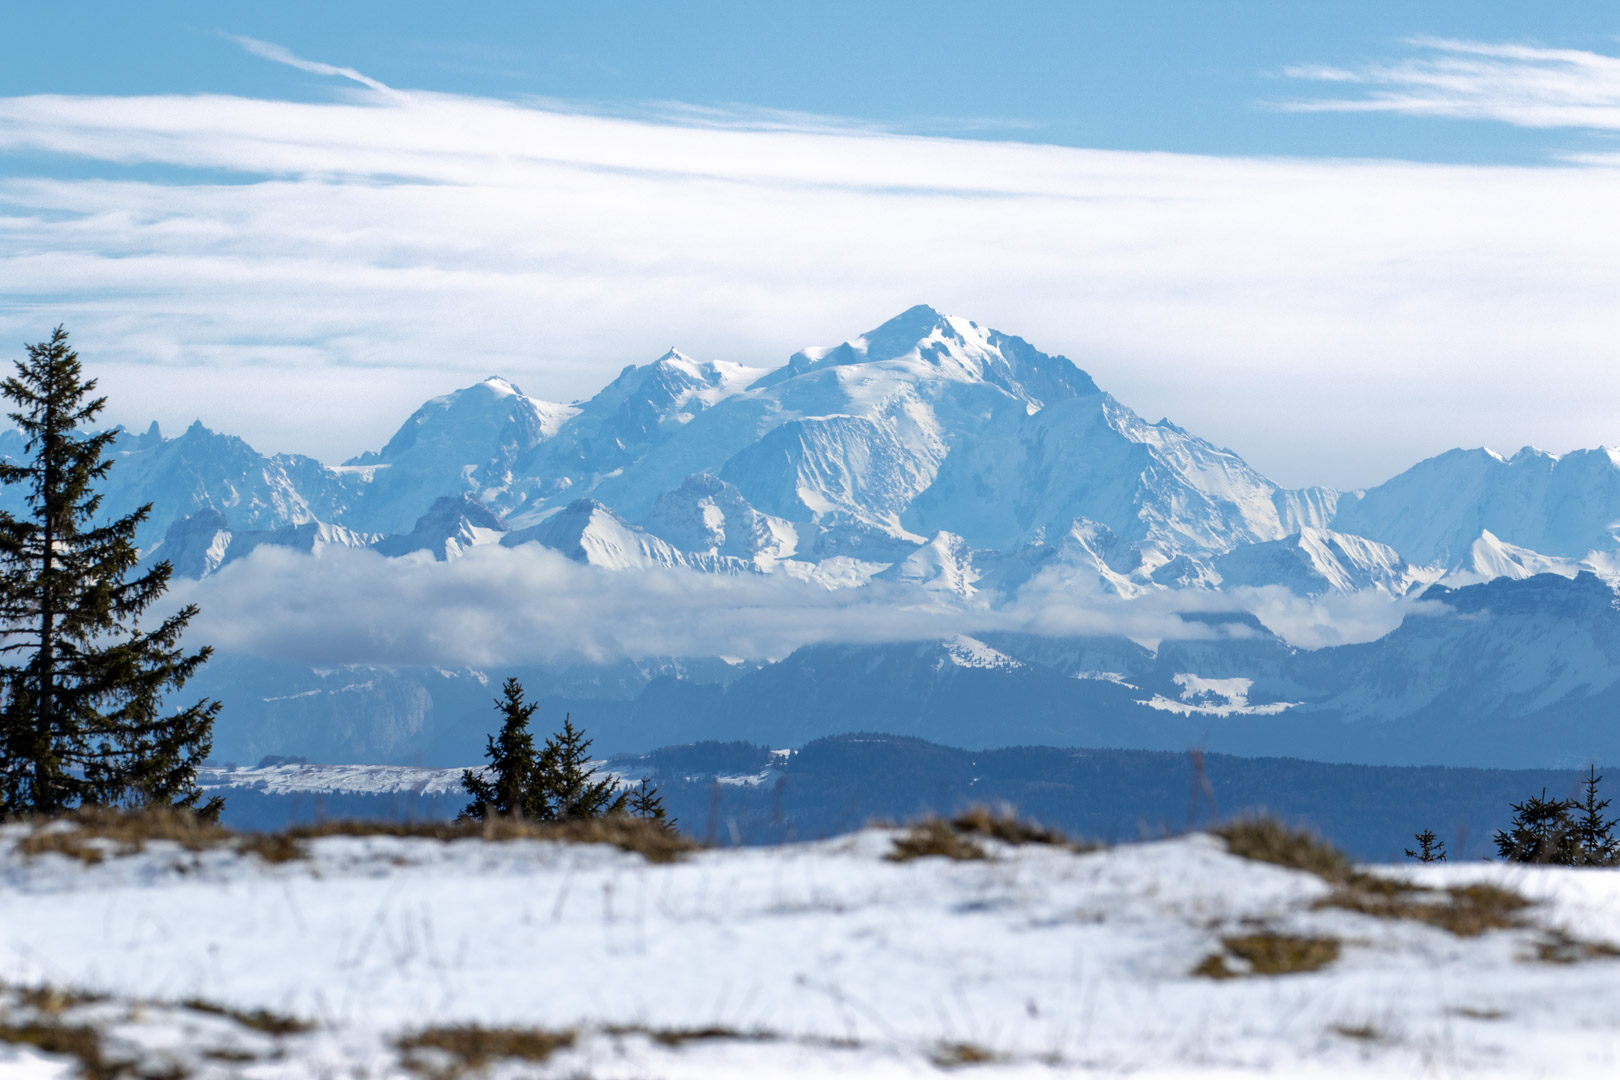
(1555, 504)
(929, 450)
(1316, 561)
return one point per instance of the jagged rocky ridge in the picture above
(930, 450)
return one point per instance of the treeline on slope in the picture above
(841, 783)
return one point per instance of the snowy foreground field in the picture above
(384, 956)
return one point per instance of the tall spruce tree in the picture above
(566, 778)
(82, 685)
(1594, 834)
(508, 787)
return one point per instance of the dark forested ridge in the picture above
(740, 793)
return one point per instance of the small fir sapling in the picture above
(1430, 849)
(564, 779)
(646, 803)
(1595, 841)
(1541, 832)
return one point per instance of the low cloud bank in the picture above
(530, 604)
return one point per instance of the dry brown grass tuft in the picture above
(949, 1055)
(681, 1036)
(957, 838)
(469, 1046)
(650, 839)
(82, 1044)
(935, 836)
(1470, 1013)
(258, 1019)
(1561, 948)
(1464, 910)
(1269, 840)
(90, 835)
(1009, 829)
(53, 1001)
(1270, 954)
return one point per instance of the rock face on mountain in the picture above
(929, 450)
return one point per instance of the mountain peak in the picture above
(905, 332)
(499, 386)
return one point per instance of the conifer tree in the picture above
(509, 789)
(1594, 834)
(565, 779)
(81, 683)
(646, 803)
(1541, 832)
(1430, 849)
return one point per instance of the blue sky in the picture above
(1191, 77)
(1335, 237)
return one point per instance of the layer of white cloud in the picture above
(302, 274)
(497, 605)
(1526, 85)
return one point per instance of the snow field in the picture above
(813, 960)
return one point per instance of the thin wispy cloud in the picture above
(271, 51)
(304, 274)
(1524, 85)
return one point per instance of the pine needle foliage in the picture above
(82, 685)
(506, 787)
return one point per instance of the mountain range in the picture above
(930, 449)
(935, 454)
